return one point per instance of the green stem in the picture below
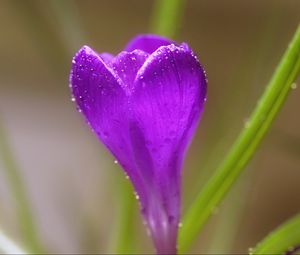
(230, 218)
(124, 234)
(281, 240)
(167, 16)
(7, 246)
(23, 207)
(123, 237)
(70, 30)
(245, 145)
(229, 221)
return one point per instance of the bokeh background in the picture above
(72, 181)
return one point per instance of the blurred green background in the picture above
(72, 181)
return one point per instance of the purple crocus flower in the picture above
(144, 104)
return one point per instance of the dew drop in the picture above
(73, 99)
(116, 162)
(180, 224)
(136, 196)
(247, 124)
(294, 85)
(250, 251)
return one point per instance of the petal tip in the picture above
(147, 42)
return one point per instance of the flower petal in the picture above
(148, 43)
(106, 57)
(145, 105)
(170, 90)
(126, 66)
(99, 95)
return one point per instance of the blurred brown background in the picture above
(71, 178)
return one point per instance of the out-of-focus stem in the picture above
(124, 234)
(231, 216)
(167, 16)
(7, 246)
(69, 31)
(245, 145)
(23, 207)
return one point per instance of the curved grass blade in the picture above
(245, 145)
(282, 240)
(7, 246)
(23, 207)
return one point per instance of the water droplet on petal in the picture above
(116, 162)
(136, 196)
(73, 99)
(247, 123)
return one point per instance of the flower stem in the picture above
(282, 240)
(7, 246)
(123, 241)
(167, 16)
(23, 207)
(245, 146)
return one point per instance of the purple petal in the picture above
(145, 109)
(126, 66)
(148, 43)
(170, 90)
(98, 94)
(107, 58)
(101, 98)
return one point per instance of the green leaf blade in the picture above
(245, 146)
(281, 240)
